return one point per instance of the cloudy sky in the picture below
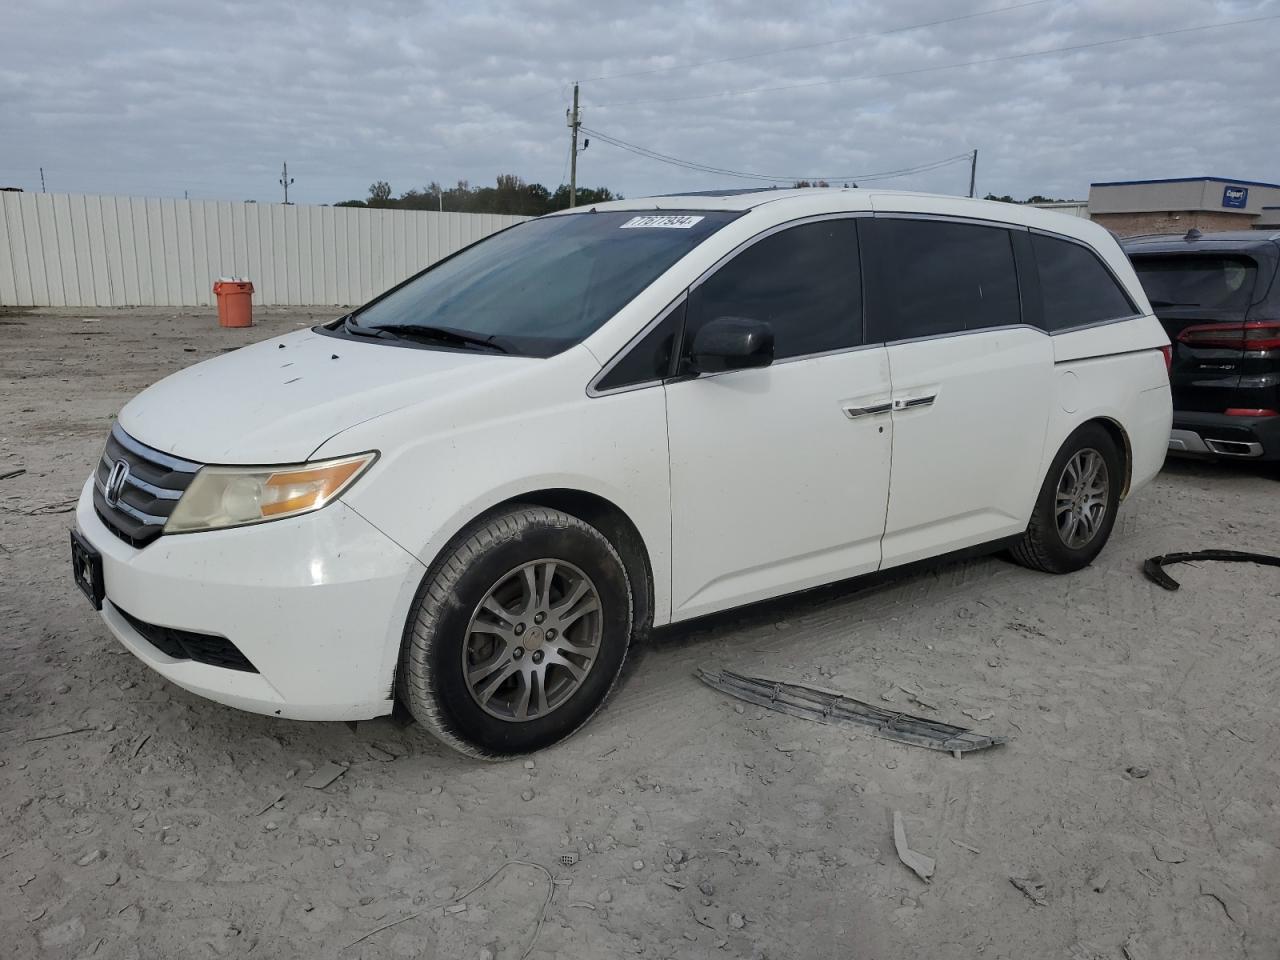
(167, 96)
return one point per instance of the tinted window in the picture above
(544, 285)
(804, 281)
(1217, 285)
(929, 277)
(648, 360)
(1075, 286)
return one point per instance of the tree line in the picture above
(1034, 198)
(510, 195)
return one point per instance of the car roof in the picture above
(1225, 240)
(841, 199)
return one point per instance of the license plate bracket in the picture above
(86, 568)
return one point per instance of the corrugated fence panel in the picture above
(83, 250)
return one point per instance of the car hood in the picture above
(279, 400)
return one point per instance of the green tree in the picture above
(510, 194)
(379, 192)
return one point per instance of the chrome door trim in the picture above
(854, 412)
(910, 403)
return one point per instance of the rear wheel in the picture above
(518, 633)
(1076, 508)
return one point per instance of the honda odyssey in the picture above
(474, 492)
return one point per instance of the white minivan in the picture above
(474, 492)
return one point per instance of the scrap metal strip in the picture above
(823, 707)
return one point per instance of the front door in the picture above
(780, 475)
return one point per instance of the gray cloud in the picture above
(126, 96)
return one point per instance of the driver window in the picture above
(804, 281)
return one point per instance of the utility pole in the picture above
(42, 189)
(973, 170)
(285, 180)
(575, 121)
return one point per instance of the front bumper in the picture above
(1218, 435)
(317, 604)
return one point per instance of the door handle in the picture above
(853, 412)
(909, 403)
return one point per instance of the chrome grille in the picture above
(135, 488)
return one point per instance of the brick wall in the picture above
(1208, 221)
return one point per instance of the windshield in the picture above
(542, 286)
(1215, 285)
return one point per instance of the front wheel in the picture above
(518, 633)
(1076, 508)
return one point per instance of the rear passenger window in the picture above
(1076, 287)
(803, 281)
(931, 277)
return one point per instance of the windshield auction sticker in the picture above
(668, 222)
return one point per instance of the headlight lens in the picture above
(221, 497)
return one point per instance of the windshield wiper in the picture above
(416, 331)
(1173, 303)
(353, 327)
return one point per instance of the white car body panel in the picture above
(276, 401)
(966, 466)
(746, 526)
(449, 459)
(742, 486)
(317, 603)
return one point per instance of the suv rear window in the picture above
(1217, 284)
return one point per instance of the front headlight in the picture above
(234, 496)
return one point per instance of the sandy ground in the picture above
(137, 820)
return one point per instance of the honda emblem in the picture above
(115, 482)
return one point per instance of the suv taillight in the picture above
(1252, 335)
(1167, 352)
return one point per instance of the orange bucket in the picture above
(235, 303)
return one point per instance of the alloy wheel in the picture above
(532, 640)
(1081, 501)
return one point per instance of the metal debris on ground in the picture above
(325, 776)
(270, 804)
(1154, 566)
(799, 701)
(920, 865)
(1034, 888)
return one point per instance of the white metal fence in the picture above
(101, 251)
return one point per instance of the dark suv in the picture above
(1217, 296)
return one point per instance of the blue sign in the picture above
(1235, 197)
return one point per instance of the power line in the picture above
(946, 66)
(722, 171)
(820, 43)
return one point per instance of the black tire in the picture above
(1042, 546)
(431, 678)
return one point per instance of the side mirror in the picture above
(732, 343)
